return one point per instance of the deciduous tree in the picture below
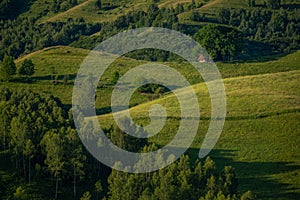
(27, 68)
(98, 4)
(221, 42)
(53, 144)
(7, 68)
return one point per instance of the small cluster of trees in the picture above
(272, 4)
(153, 88)
(60, 5)
(98, 4)
(221, 42)
(8, 68)
(180, 180)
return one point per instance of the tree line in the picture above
(8, 68)
(277, 28)
(23, 35)
(38, 135)
(274, 27)
(39, 138)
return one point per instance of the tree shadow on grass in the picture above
(259, 177)
(51, 77)
(256, 51)
(34, 79)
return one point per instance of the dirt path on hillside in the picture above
(68, 11)
(173, 2)
(212, 3)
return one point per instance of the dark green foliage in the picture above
(154, 55)
(251, 3)
(248, 196)
(34, 131)
(66, 79)
(60, 5)
(40, 139)
(179, 181)
(273, 28)
(23, 35)
(115, 77)
(53, 145)
(98, 4)
(27, 68)
(7, 68)
(224, 16)
(55, 6)
(86, 196)
(222, 43)
(273, 4)
(11, 8)
(125, 141)
(98, 189)
(196, 16)
(153, 89)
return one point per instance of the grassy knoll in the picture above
(62, 60)
(247, 97)
(261, 133)
(41, 8)
(109, 12)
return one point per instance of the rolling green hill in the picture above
(48, 64)
(261, 135)
(260, 138)
(110, 12)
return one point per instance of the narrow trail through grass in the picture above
(68, 11)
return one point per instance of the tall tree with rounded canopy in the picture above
(27, 68)
(7, 68)
(53, 143)
(221, 42)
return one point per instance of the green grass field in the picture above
(109, 12)
(63, 60)
(261, 133)
(261, 136)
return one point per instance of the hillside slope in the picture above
(247, 97)
(261, 133)
(48, 64)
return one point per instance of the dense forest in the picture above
(40, 138)
(276, 27)
(42, 156)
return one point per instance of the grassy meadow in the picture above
(63, 61)
(261, 133)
